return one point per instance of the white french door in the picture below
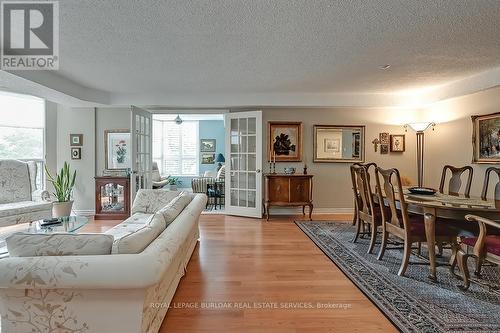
(140, 129)
(244, 163)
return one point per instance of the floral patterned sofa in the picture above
(20, 201)
(108, 292)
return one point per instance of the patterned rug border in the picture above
(433, 323)
(358, 285)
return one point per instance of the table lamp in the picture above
(220, 159)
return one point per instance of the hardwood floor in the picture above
(241, 261)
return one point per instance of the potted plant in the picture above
(63, 184)
(173, 182)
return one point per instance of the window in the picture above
(22, 123)
(175, 147)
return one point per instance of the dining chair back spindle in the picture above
(357, 198)
(496, 192)
(368, 214)
(455, 182)
(408, 227)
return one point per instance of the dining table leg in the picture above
(430, 234)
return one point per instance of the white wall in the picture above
(451, 141)
(78, 121)
(332, 182)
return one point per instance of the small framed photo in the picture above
(384, 149)
(207, 158)
(207, 145)
(384, 138)
(398, 143)
(76, 139)
(76, 153)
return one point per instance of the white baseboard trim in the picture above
(84, 212)
(298, 210)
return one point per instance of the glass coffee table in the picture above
(68, 224)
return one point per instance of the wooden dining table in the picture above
(447, 206)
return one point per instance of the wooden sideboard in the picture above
(288, 191)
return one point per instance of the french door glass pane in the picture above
(243, 161)
(252, 126)
(251, 199)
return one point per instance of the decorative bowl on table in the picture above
(422, 190)
(289, 171)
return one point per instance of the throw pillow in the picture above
(137, 240)
(175, 207)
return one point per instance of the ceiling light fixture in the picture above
(384, 67)
(178, 120)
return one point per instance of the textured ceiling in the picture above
(219, 47)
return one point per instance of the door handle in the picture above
(258, 170)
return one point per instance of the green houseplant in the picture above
(63, 185)
(173, 182)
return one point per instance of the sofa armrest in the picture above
(40, 195)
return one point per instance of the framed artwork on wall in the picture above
(339, 143)
(398, 143)
(207, 158)
(284, 141)
(76, 153)
(207, 145)
(486, 138)
(117, 149)
(76, 139)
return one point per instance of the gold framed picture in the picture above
(397, 143)
(284, 141)
(486, 138)
(339, 143)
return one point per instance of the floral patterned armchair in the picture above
(20, 200)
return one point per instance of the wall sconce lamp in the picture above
(420, 128)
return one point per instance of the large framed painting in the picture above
(284, 141)
(339, 144)
(117, 149)
(486, 138)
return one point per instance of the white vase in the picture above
(61, 209)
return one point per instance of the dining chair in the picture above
(357, 197)
(496, 192)
(396, 219)
(367, 212)
(455, 182)
(486, 247)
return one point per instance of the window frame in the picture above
(181, 155)
(40, 162)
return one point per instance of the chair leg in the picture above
(462, 265)
(453, 259)
(373, 238)
(479, 264)
(440, 249)
(383, 244)
(358, 230)
(419, 248)
(406, 258)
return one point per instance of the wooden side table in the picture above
(288, 191)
